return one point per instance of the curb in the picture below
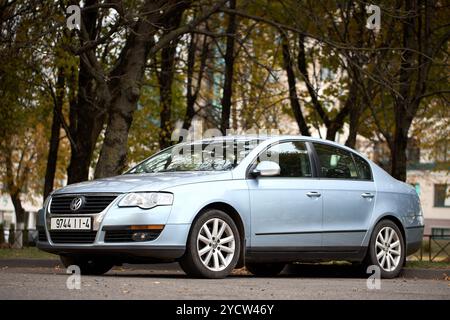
(29, 263)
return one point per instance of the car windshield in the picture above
(198, 156)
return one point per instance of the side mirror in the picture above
(267, 169)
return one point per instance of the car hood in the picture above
(144, 182)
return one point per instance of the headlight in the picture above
(146, 200)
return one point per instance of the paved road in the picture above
(169, 282)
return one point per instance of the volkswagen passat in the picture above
(217, 204)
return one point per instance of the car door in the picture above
(286, 210)
(348, 193)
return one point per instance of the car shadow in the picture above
(300, 270)
(324, 271)
(290, 271)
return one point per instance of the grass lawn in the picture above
(26, 253)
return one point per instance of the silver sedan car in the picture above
(216, 204)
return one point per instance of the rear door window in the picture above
(335, 163)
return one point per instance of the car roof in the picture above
(274, 138)
(263, 138)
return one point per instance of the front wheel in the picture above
(213, 246)
(87, 266)
(387, 249)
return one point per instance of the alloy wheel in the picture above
(216, 244)
(388, 249)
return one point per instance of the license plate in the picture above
(71, 223)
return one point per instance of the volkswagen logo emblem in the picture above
(76, 203)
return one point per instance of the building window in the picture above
(441, 195)
(440, 232)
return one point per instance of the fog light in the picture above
(141, 236)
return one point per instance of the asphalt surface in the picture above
(47, 280)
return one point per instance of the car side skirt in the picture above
(306, 254)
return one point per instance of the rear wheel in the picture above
(87, 266)
(387, 249)
(213, 246)
(265, 269)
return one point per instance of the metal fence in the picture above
(20, 238)
(437, 247)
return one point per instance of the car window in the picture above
(335, 162)
(198, 156)
(362, 167)
(292, 158)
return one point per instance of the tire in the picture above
(87, 266)
(202, 258)
(391, 252)
(265, 269)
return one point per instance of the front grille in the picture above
(126, 235)
(91, 204)
(42, 236)
(73, 236)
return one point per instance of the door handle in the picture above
(367, 195)
(313, 194)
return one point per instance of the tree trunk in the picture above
(87, 113)
(229, 68)
(20, 221)
(302, 67)
(126, 84)
(191, 92)
(398, 151)
(403, 105)
(20, 211)
(89, 127)
(123, 104)
(12, 185)
(165, 96)
(190, 98)
(165, 86)
(55, 133)
(293, 98)
(337, 123)
(86, 123)
(353, 127)
(332, 130)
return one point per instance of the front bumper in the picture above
(123, 252)
(169, 244)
